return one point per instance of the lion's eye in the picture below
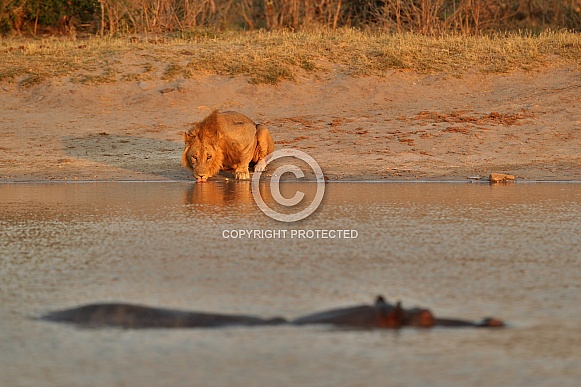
(209, 157)
(194, 158)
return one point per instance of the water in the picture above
(463, 250)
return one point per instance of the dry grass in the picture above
(269, 57)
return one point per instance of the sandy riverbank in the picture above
(403, 126)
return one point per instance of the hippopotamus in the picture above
(384, 315)
(378, 315)
(137, 316)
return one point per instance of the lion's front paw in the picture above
(242, 175)
(260, 166)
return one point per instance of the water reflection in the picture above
(220, 194)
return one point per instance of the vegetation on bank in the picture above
(97, 41)
(272, 56)
(71, 17)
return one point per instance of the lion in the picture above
(224, 141)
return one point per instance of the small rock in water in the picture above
(500, 177)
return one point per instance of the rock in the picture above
(144, 85)
(500, 177)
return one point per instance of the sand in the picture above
(404, 126)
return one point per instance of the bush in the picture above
(157, 16)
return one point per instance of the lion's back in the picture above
(237, 127)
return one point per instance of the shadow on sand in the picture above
(137, 154)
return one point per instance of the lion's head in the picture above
(203, 153)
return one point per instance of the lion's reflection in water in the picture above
(222, 193)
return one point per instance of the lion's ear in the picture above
(187, 137)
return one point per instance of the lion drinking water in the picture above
(223, 141)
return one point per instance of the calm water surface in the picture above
(463, 250)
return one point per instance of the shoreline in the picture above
(301, 181)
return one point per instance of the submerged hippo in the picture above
(137, 316)
(379, 315)
(384, 315)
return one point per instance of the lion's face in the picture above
(204, 159)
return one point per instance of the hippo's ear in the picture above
(380, 300)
